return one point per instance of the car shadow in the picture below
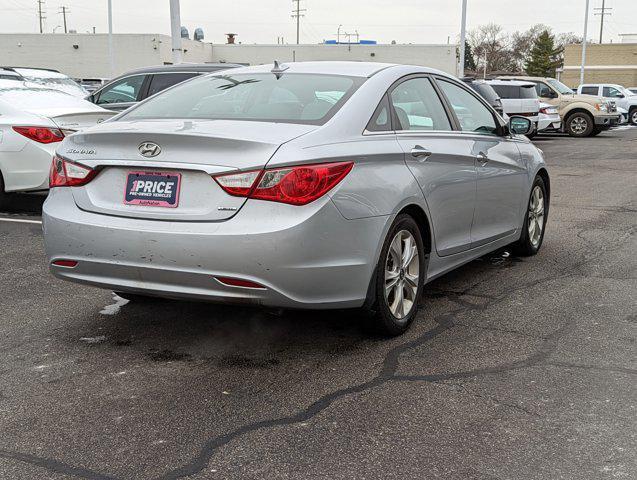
(24, 204)
(251, 337)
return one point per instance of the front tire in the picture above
(632, 116)
(534, 221)
(399, 278)
(580, 124)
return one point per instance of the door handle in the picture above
(482, 158)
(420, 152)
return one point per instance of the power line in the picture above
(41, 15)
(64, 11)
(601, 11)
(298, 13)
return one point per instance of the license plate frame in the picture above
(153, 194)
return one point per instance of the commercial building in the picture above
(86, 55)
(605, 63)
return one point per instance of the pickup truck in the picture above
(623, 97)
(582, 115)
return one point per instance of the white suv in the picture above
(622, 96)
(518, 98)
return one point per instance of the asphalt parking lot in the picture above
(515, 369)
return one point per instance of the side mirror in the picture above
(620, 95)
(520, 125)
(547, 93)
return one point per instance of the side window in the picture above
(543, 90)
(612, 92)
(124, 90)
(418, 107)
(472, 114)
(590, 90)
(161, 81)
(381, 119)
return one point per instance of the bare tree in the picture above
(490, 45)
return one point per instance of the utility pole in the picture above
(463, 38)
(41, 15)
(175, 31)
(581, 72)
(602, 13)
(64, 12)
(298, 13)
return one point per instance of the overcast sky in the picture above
(262, 21)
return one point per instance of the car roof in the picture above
(517, 83)
(524, 78)
(37, 72)
(354, 69)
(181, 67)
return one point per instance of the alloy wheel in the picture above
(536, 215)
(633, 117)
(579, 125)
(402, 274)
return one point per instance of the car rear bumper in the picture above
(305, 257)
(27, 169)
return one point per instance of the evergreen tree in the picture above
(545, 56)
(469, 62)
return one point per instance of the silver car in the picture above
(309, 185)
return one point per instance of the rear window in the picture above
(485, 91)
(590, 90)
(290, 98)
(515, 91)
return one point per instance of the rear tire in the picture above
(535, 219)
(399, 278)
(632, 116)
(580, 124)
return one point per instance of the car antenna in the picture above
(279, 68)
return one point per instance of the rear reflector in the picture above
(65, 263)
(239, 282)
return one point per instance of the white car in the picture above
(33, 120)
(621, 96)
(549, 118)
(518, 98)
(50, 79)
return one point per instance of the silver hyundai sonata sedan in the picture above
(308, 185)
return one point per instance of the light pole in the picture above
(463, 38)
(175, 31)
(111, 53)
(581, 72)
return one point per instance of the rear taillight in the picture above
(41, 134)
(298, 185)
(65, 173)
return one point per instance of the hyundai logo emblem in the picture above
(149, 149)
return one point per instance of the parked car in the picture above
(33, 121)
(518, 98)
(126, 90)
(582, 115)
(92, 84)
(10, 75)
(549, 119)
(487, 92)
(309, 185)
(48, 78)
(621, 96)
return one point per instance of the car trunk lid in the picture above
(193, 150)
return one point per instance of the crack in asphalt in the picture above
(387, 373)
